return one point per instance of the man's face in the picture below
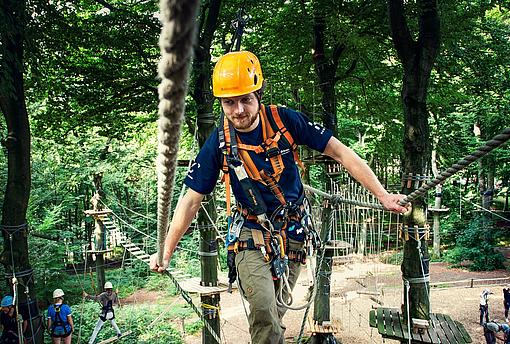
(109, 291)
(242, 111)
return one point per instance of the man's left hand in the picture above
(391, 202)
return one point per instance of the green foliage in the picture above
(158, 282)
(194, 327)
(137, 318)
(393, 258)
(475, 244)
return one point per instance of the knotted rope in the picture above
(176, 42)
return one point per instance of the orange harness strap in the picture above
(270, 142)
(288, 136)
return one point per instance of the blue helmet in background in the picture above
(7, 301)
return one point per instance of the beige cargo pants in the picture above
(258, 288)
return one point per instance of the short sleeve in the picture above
(304, 131)
(204, 171)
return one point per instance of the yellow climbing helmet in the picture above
(237, 73)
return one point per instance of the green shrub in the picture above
(476, 247)
(394, 258)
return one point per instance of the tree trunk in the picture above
(326, 72)
(99, 230)
(206, 124)
(417, 59)
(12, 103)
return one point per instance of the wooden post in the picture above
(209, 267)
(415, 265)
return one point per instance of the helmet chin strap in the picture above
(260, 92)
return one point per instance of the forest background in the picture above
(88, 87)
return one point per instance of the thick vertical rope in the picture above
(176, 42)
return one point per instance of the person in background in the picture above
(9, 322)
(60, 320)
(107, 299)
(490, 330)
(506, 300)
(484, 306)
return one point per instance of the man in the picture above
(506, 300)
(60, 319)
(254, 146)
(484, 306)
(107, 299)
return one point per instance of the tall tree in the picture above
(208, 20)
(417, 58)
(17, 143)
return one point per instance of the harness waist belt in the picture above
(243, 245)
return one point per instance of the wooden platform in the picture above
(329, 327)
(97, 212)
(192, 285)
(443, 329)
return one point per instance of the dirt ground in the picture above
(350, 301)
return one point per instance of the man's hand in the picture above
(391, 202)
(85, 294)
(154, 265)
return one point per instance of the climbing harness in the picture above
(288, 220)
(59, 327)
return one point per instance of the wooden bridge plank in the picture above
(388, 322)
(432, 333)
(438, 325)
(372, 318)
(446, 329)
(380, 321)
(462, 330)
(457, 333)
(114, 339)
(397, 323)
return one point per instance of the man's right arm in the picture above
(184, 213)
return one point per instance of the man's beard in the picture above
(245, 122)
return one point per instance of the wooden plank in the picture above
(447, 335)
(397, 323)
(405, 327)
(380, 321)
(455, 336)
(458, 335)
(438, 326)
(432, 331)
(388, 322)
(372, 318)
(114, 339)
(462, 330)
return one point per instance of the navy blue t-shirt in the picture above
(205, 170)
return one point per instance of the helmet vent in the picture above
(255, 79)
